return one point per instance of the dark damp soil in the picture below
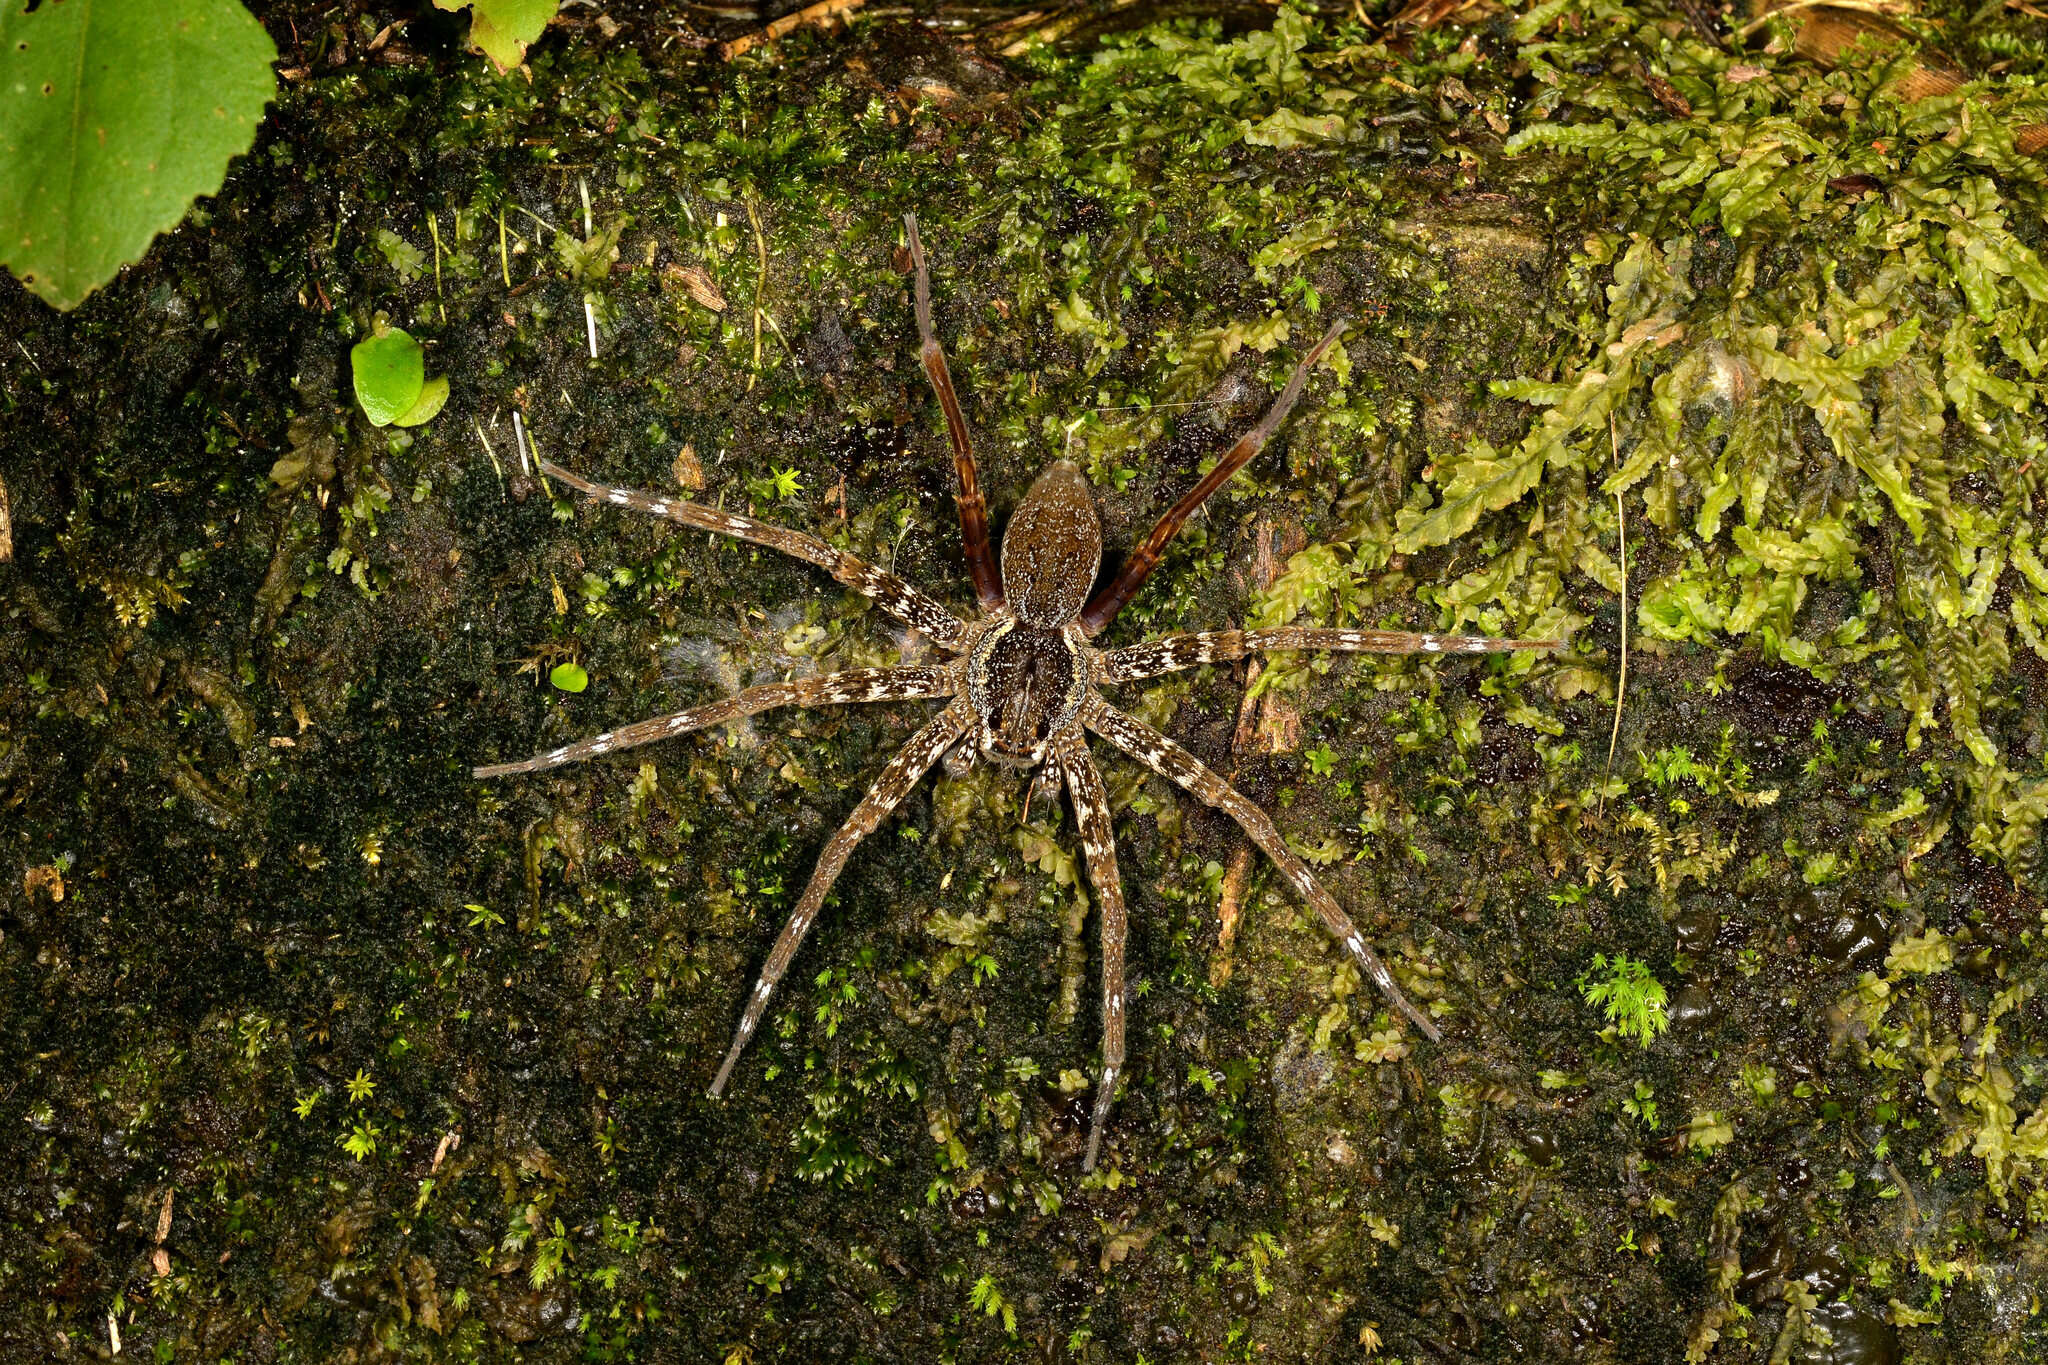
(317, 1049)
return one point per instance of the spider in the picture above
(1020, 685)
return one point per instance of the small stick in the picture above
(492, 453)
(822, 14)
(760, 285)
(1621, 685)
(519, 443)
(434, 230)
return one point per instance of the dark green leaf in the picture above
(114, 116)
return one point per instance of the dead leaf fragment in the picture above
(1119, 1245)
(449, 1142)
(48, 878)
(697, 282)
(689, 470)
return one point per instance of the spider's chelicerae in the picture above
(1020, 685)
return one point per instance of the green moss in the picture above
(252, 648)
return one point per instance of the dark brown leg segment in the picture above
(981, 558)
(1098, 843)
(897, 781)
(1104, 606)
(1182, 768)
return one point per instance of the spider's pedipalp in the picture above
(834, 689)
(897, 781)
(1182, 768)
(1098, 846)
(1134, 663)
(981, 558)
(1044, 787)
(902, 601)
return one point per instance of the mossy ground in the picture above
(416, 1064)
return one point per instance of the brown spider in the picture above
(1021, 683)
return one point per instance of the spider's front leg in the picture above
(981, 558)
(1134, 663)
(901, 600)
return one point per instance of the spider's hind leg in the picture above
(911, 763)
(1191, 775)
(834, 689)
(1098, 845)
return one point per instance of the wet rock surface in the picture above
(316, 1048)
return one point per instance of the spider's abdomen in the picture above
(1052, 548)
(1024, 682)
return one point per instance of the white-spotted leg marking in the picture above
(1154, 657)
(1182, 768)
(1098, 844)
(897, 781)
(908, 605)
(834, 689)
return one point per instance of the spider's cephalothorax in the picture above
(1020, 682)
(1028, 669)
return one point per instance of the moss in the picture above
(419, 1061)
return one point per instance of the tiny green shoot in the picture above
(1634, 999)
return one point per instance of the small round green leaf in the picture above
(569, 677)
(433, 394)
(390, 373)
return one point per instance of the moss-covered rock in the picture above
(318, 1049)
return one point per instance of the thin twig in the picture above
(519, 443)
(492, 453)
(823, 14)
(1880, 8)
(1905, 1188)
(760, 286)
(1621, 686)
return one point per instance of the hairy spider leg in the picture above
(981, 558)
(897, 781)
(1103, 607)
(1182, 768)
(894, 596)
(834, 689)
(1195, 648)
(1098, 844)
